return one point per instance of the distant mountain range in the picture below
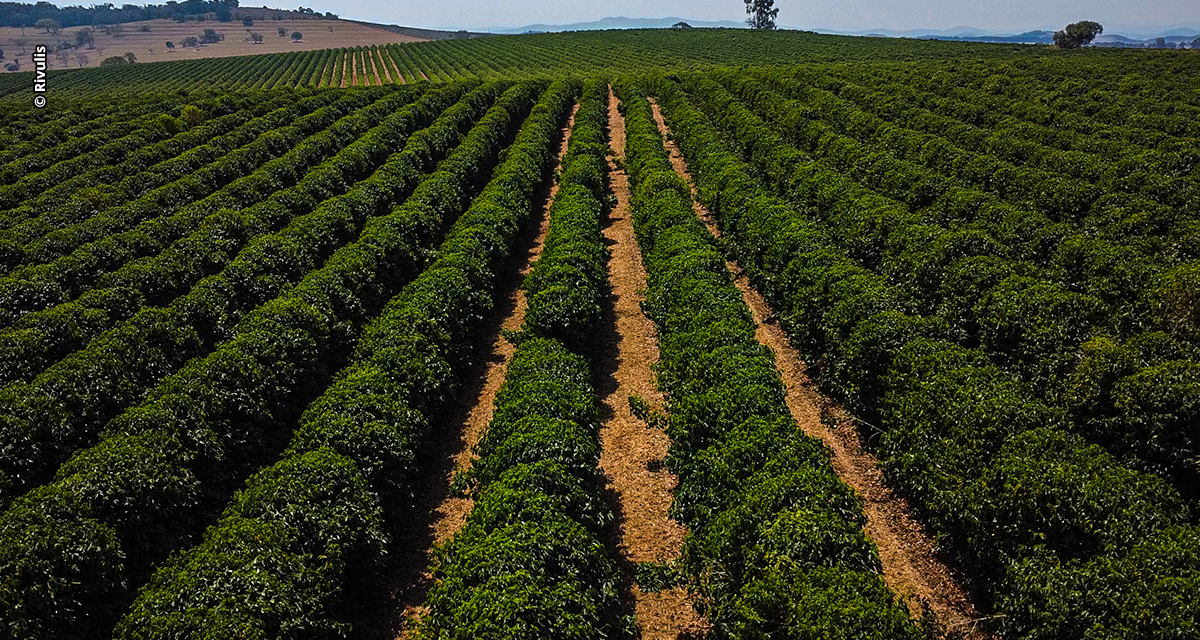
(1116, 33)
(620, 22)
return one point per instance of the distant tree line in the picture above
(16, 14)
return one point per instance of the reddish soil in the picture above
(466, 421)
(911, 566)
(632, 450)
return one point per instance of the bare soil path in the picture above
(440, 514)
(632, 451)
(911, 566)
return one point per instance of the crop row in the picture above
(64, 407)
(530, 560)
(275, 194)
(588, 52)
(64, 262)
(982, 156)
(1050, 299)
(111, 183)
(321, 515)
(1057, 537)
(775, 540)
(148, 486)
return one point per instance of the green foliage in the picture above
(755, 493)
(374, 417)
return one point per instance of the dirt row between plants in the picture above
(632, 451)
(911, 567)
(438, 513)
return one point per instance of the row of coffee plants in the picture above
(150, 141)
(23, 134)
(112, 183)
(63, 408)
(1041, 300)
(1118, 166)
(40, 338)
(311, 529)
(1052, 181)
(530, 560)
(776, 542)
(196, 174)
(45, 212)
(1055, 536)
(524, 55)
(163, 469)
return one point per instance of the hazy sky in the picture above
(849, 15)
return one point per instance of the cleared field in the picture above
(149, 46)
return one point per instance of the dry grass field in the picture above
(149, 46)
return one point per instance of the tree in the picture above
(81, 58)
(256, 37)
(329, 15)
(1, 54)
(1078, 34)
(223, 14)
(114, 60)
(762, 14)
(130, 57)
(211, 36)
(170, 46)
(21, 20)
(21, 42)
(49, 24)
(84, 36)
(296, 35)
(13, 66)
(282, 32)
(191, 41)
(248, 21)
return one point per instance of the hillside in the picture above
(146, 39)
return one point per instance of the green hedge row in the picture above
(286, 557)
(26, 168)
(61, 410)
(564, 288)
(971, 261)
(42, 337)
(162, 184)
(1047, 529)
(775, 541)
(162, 469)
(530, 561)
(322, 166)
(29, 133)
(130, 175)
(108, 239)
(1159, 175)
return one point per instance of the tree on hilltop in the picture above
(1078, 34)
(762, 14)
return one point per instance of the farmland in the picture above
(721, 333)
